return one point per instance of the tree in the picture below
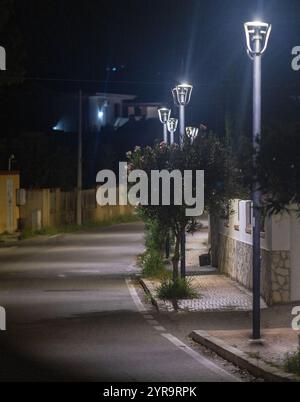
(278, 167)
(222, 181)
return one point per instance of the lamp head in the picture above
(257, 37)
(192, 132)
(172, 125)
(164, 115)
(182, 94)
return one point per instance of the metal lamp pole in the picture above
(182, 96)
(257, 36)
(164, 116)
(79, 165)
(172, 127)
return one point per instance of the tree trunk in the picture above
(176, 257)
(214, 239)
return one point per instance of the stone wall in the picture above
(235, 260)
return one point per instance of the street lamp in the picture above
(182, 96)
(172, 127)
(164, 116)
(10, 161)
(257, 37)
(192, 133)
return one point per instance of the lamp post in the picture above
(10, 162)
(172, 127)
(79, 165)
(182, 96)
(192, 133)
(257, 37)
(164, 116)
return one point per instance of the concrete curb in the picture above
(242, 360)
(150, 292)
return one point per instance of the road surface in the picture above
(75, 313)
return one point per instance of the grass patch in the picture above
(153, 265)
(49, 231)
(181, 289)
(292, 363)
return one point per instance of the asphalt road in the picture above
(75, 313)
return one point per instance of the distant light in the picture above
(100, 115)
(55, 128)
(114, 69)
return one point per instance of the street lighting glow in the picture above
(164, 115)
(100, 115)
(257, 37)
(172, 125)
(192, 132)
(182, 94)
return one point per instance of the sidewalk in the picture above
(265, 359)
(216, 293)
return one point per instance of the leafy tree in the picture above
(278, 167)
(222, 181)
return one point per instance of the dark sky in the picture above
(152, 40)
(154, 44)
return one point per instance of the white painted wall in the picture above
(277, 228)
(282, 233)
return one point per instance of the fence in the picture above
(53, 208)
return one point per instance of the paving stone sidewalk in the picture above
(216, 293)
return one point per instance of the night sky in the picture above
(154, 42)
(144, 47)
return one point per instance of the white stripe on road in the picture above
(135, 297)
(201, 359)
(177, 342)
(160, 329)
(153, 322)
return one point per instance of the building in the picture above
(280, 275)
(9, 211)
(104, 110)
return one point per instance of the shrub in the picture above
(153, 265)
(180, 289)
(292, 363)
(155, 236)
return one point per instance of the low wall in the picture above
(278, 269)
(9, 211)
(235, 260)
(53, 208)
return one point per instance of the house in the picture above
(103, 110)
(280, 268)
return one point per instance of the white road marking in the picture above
(153, 322)
(135, 297)
(201, 359)
(160, 329)
(54, 236)
(148, 317)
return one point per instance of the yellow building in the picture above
(9, 211)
